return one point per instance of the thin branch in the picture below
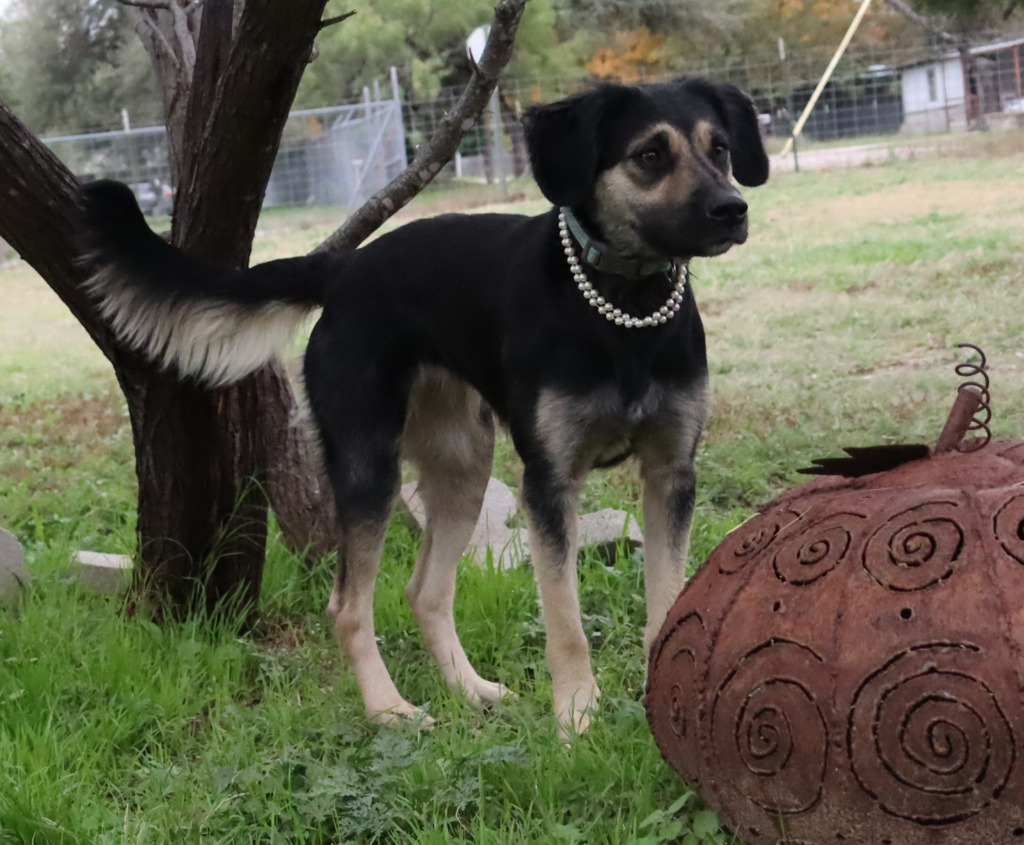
(1010, 9)
(434, 153)
(326, 22)
(923, 21)
(186, 44)
(148, 4)
(159, 39)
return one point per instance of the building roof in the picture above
(1007, 43)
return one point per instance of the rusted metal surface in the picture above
(848, 666)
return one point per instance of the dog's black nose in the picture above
(731, 210)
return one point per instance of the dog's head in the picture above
(648, 167)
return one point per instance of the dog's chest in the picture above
(605, 426)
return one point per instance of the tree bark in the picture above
(168, 31)
(202, 455)
(37, 217)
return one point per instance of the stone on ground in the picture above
(105, 573)
(509, 546)
(14, 577)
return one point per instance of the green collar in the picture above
(601, 257)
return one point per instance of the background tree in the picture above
(206, 460)
(71, 66)
(426, 41)
(955, 21)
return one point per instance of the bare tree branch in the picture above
(923, 21)
(432, 155)
(147, 4)
(159, 41)
(326, 22)
(186, 42)
(1011, 7)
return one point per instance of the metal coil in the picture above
(976, 379)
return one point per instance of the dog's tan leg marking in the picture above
(351, 608)
(451, 440)
(573, 684)
(665, 547)
(666, 465)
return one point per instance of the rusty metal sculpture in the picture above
(848, 666)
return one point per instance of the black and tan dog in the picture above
(577, 328)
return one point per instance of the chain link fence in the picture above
(876, 102)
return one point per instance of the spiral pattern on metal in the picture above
(751, 538)
(917, 548)
(1009, 527)
(681, 655)
(927, 738)
(768, 727)
(805, 557)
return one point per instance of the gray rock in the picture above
(492, 533)
(507, 546)
(410, 507)
(14, 577)
(105, 573)
(605, 529)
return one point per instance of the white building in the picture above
(942, 95)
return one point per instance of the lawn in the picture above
(835, 325)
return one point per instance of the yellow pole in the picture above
(826, 76)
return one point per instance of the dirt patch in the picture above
(68, 419)
(59, 432)
(279, 633)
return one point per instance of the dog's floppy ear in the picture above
(563, 140)
(749, 160)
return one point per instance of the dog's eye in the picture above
(649, 158)
(719, 150)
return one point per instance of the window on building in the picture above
(933, 87)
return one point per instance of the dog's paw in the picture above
(483, 693)
(576, 711)
(402, 715)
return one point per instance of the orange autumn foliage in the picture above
(632, 55)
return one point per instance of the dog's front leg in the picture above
(666, 453)
(551, 512)
(669, 494)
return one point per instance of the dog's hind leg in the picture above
(359, 401)
(351, 607)
(449, 436)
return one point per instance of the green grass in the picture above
(835, 325)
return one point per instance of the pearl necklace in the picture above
(610, 312)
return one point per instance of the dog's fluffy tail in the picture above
(211, 323)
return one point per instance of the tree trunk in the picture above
(202, 455)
